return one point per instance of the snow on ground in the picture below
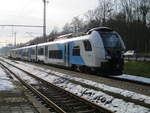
(5, 84)
(135, 78)
(21, 74)
(99, 97)
(126, 93)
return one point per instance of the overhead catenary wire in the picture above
(21, 26)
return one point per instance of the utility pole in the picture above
(22, 25)
(44, 20)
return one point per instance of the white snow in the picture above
(21, 74)
(135, 78)
(5, 84)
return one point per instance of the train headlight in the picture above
(108, 57)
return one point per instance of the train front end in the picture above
(110, 52)
(114, 48)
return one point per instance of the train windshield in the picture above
(111, 40)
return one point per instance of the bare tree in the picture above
(67, 28)
(76, 24)
(144, 9)
(127, 6)
(104, 10)
(90, 15)
(54, 31)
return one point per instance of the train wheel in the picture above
(83, 69)
(73, 67)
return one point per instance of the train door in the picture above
(36, 52)
(46, 53)
(29, 53)
(88, 53)
(66, 54)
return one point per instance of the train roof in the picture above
(57, 41)
(70, 39)
(66, 40)
(100, 29)
(24, 47)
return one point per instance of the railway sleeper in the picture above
(67, 101)
(81, 107)
(50, 91)
(60, 97)
(51, 110)
(75, 104)
(57, 95)
(88, 111)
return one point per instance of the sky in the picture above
(30, 12)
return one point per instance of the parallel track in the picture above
(58, 100)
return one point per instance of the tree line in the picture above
(130, 18)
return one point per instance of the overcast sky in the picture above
(30, 12)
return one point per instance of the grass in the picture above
(137, 68)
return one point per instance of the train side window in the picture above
(76, 51)
(40, 51)
(87, 45)
(55, 54)
(25, 52)
(33, 51)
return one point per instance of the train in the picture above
(100, 50)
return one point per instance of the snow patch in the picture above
(5, 84)
(135, 78)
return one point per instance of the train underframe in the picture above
(112, 67)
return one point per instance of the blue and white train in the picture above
(100, 50)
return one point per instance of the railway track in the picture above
(79, 82)
(56, 99)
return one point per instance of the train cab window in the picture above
(55, 54)
(76, 51)
(40, 51)
(87, 45)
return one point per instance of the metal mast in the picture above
(44, 20)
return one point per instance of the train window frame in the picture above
(76, 51)
(40, 51)
(55, 54)
(25, 53)
(87, 45)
